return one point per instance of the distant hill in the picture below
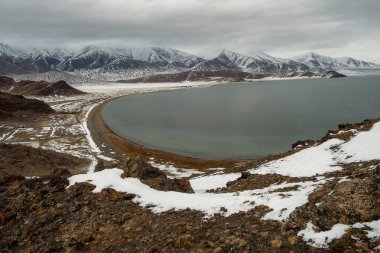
(12, 106)
(225, 75)
(317, 61)
(38, 88)
(220, 75)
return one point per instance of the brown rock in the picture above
(276, 243)
(153, 176)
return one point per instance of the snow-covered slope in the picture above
(108, 63)
(317, 61)
(7, 51)
(129, 58)
(256, 63)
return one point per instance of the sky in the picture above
(282, 28)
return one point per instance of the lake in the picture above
(243, 120)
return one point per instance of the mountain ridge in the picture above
(112, 63)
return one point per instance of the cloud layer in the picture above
(283, 28)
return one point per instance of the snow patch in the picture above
(364, 146)
(175, 172)
(305, 163)
(281, 203)
(215, 181)
(373, 230)
(323, 238)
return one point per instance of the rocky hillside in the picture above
(13, 106)
(28, 161)
(257, 63)
(38, 88)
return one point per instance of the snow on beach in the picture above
(115, 88)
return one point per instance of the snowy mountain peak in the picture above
(97, 61)
(260, 62)
(317, 61)
(91, 50)
(309, 56)
(8, 51)
(59, 54)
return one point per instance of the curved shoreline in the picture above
(107, 139)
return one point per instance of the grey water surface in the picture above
(244, 120)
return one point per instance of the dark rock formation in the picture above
(302, 143)
(38, 88)
(332, 74)
(14, 105)
(28, 161)
(153, 176)
(6, 83)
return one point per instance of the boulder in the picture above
(302, 143)
(152, 176)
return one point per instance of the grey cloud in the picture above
(339, 27)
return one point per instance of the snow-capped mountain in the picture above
(263, 63)
(132, 58)
(255, 63)
(107, 63)
(316, 61)
(7, 51)
(101, 59)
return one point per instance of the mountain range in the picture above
(106, 63)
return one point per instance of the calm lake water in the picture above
(245, 120)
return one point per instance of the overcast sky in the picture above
(282, 28)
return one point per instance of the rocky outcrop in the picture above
(302, 143)
(332, 74)
(28, 161)
(38, 88)
(152, 176)
(6, 83)
(17, 105)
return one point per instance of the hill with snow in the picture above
(109, 64)
(316, 61)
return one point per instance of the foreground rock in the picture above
(146, 173)
(43, 215)
(153, 176)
